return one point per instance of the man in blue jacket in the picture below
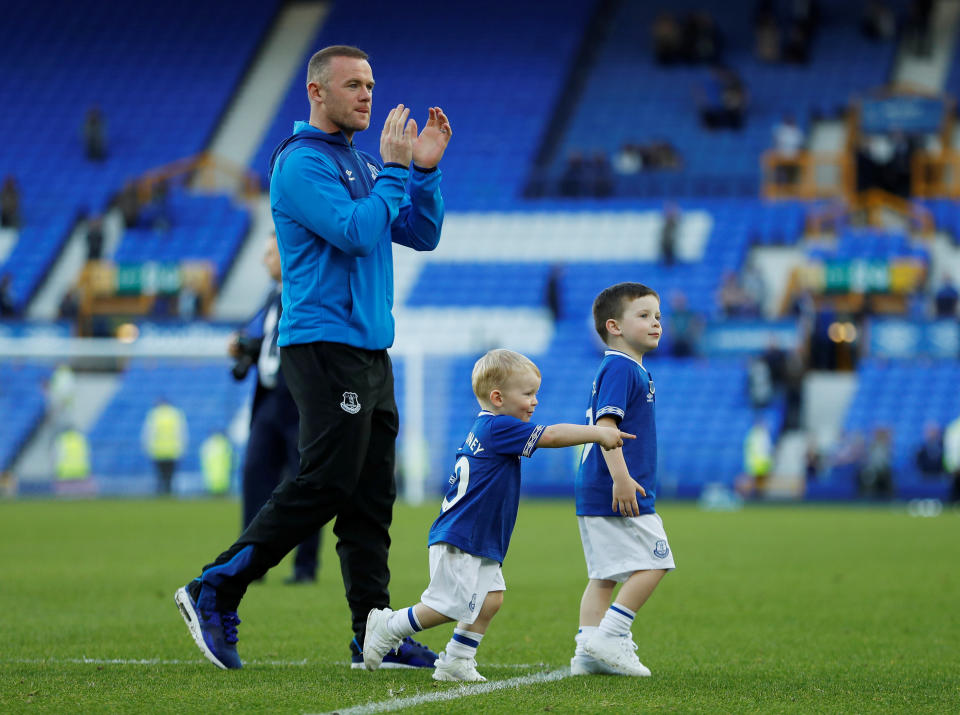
(338, 211)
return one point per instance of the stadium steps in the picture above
(826, 399)
(276, 65)
(93, 391)
(930, 73)
(45, 305)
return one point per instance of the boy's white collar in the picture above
(624, 355)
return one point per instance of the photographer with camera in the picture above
(272, 454)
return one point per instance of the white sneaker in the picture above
(617, 652)
(460, 669)
(583, 664)
(377, 641)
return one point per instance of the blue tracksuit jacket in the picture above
(337, 211)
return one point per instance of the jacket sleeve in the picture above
(310, 191)
(420, 218)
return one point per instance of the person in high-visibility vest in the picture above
(73, 455)
(216, 460)
(951, 457)
(164, 438)
(758, 456)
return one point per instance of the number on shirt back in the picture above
(461, 471)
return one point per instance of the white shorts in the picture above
(617, 546)
(459, 582)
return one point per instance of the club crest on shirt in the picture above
(660, 549)
(374, 171)
(351, 403)
(651, 391)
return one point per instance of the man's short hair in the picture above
(318, 69)
(613, 301)
(492, 371)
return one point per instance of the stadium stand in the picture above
(22, 404)
(498, 124)
(118, 458)
(658, 103)
(160, 74)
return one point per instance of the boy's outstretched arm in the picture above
(625, 488)
(567, 435)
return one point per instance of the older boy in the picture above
(623, 537)
(469, 539)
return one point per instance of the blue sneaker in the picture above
(215, 633)
(410, 654)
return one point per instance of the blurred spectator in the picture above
(766, 37)
(795, 370)
(731, 297)
(574, 176)
(8, 308)
(754, 289)
(813, 462)
(128, 201)
(757, 459)
(683, 327)
(759, 382)
(929, 455)
(600, 176)
(847, 459)
(95, 134)
(946, 298)
(95, 239)
(788, 141)
(188, 302)
(157, 212)
(10, 203)
(951, 457)
(668, 234)
(552, 297)
(216, 463)
(658, 154)
(917, 28)
(796, 44)
(72, 457)
(667, 39)
(164, 438)
(69, 307)
(61, 391)
(661, 154)
(878, 21)
(876, 476)
(702, 41)
(628, 160)
(722, 99)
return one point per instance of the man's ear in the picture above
(315, 91)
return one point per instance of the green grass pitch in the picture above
(771, 609)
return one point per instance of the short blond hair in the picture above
(492, 371)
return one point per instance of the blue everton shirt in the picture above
(624, 390)
(479, 509)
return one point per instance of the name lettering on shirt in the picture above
(473, 444)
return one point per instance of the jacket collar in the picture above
(307, 128)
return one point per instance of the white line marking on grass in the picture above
(136, 661)
(453, 694)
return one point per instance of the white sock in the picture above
(464, 644)
(617, 620)
(582, 635)
(403, 623)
